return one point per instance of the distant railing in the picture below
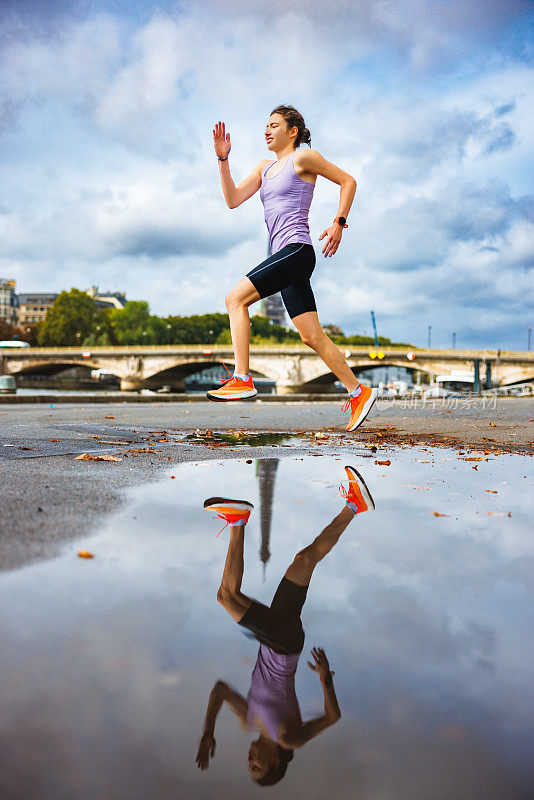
(282, 348)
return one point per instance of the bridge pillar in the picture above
(476, 380)
(488, 384)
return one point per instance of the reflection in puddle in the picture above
(271, 706)
(239, 438)
(106, 665)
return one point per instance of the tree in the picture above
(72, 313)
(129, 323)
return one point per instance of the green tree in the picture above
(129, 323)
(69, 321)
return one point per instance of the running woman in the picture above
(286, 189)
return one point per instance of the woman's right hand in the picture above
(221, 140)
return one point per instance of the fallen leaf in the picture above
(108, 416)
(88, 457)
(437, 514)
(491, 491)
(475, 458)
(85, 554)
(383, 463)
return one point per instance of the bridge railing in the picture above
(282, 348)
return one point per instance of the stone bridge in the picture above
(293, 368)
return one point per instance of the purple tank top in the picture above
(272, 696)
(286, 199)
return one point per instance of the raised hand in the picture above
(321, 665)
(206, 749)
(221, 140)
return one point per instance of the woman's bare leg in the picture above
(229, 594)
(237, 302)
(313, 335)
(301, 569)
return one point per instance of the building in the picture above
(333, 330)
(8, 302)
(273, 308)
(33, 307)
(107, 299)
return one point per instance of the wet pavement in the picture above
(423, 607)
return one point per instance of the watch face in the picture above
(342, 220)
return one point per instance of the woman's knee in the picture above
(312, 338)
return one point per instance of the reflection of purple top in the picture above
(286, 199)
(272, 695)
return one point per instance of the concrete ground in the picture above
(50, 498)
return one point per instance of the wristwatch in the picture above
(341, 221)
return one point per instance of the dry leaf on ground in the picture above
(437, 514)
(383, 463)
(85, 554)
(89, 457)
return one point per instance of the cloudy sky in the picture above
(109, 176)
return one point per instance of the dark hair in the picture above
(294, 119)
(277, 771)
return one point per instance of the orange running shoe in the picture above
(359, 406)
(358, 494)
(233, 389)
(235, 512)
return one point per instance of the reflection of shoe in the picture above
(359, 406)
(358, 496)
(233, 389)
(235, 512)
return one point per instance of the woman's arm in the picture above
(220, 693)
(313, 162)
(331, 708)
(234, 195)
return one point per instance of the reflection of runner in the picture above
(271, 706)
(286, 190)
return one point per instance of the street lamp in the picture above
(529, 338)
(429, 336)
(144, 338)
(78, 335)
(454, 340)
(168, 334)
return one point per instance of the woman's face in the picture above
(258, 761)
(277, 135)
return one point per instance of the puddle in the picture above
(240, 438)
(107, 664)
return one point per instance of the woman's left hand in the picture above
(333, 234)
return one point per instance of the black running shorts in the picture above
(288, 271)
(279, 627)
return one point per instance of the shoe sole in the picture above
(363, 486)
(365, 410)
(243, 396)
(239, 505)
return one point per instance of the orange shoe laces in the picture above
(344, 491)
(346, 405)
(226, 380)
(227, 523)
(230, 379)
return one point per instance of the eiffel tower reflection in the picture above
(266, 474)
